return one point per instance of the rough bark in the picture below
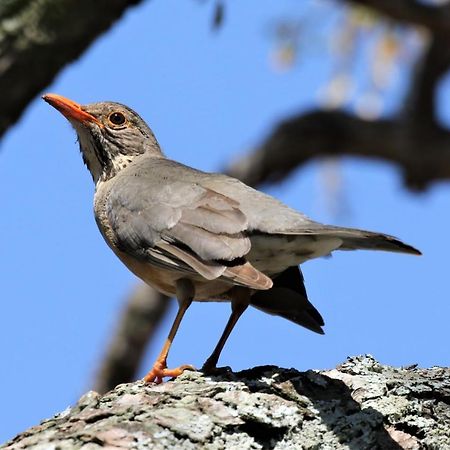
(39, 37)
(359, 405)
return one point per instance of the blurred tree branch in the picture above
(435, 18)
(434, 63)
(38, 38)
(423, 154)
(413, 140)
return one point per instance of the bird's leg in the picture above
(185, 295)
(239, 302)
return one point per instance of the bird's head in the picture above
(110, 134)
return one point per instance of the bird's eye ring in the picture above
(117, 118)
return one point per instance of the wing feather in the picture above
(184, 227)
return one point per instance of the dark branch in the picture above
(420, 104)
(413, 141)
(423, 156)
(38, 38)
(435, 18)
(139, 320)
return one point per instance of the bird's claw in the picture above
(214, 370)
(210, 367)
(160, 370)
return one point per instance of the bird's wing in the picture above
(268, 216)
(183, 226)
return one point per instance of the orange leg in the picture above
(239, 303)
(185, 295)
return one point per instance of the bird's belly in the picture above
(272, 254)
(165, 280)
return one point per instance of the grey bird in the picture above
(200, 236)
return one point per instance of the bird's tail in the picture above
(287, 298)
(353, 239)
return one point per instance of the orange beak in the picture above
(69, 109)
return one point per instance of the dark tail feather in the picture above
(287, 298)
(354, 239)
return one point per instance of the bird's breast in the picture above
(162, 279)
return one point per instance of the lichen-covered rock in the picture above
(359, 405)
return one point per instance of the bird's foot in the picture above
(160, 370)
(213, 370)
(210, 367)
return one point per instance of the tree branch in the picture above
(435, 18)
(360, 405)
(142, 315)
(413, 141)
(38, 38)
(423, 156)
(420, 104)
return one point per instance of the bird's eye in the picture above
(117, 118)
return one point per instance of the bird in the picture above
(200, 236)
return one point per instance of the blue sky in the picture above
(208, 97)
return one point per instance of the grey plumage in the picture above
(220, 219)
(201, 236)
